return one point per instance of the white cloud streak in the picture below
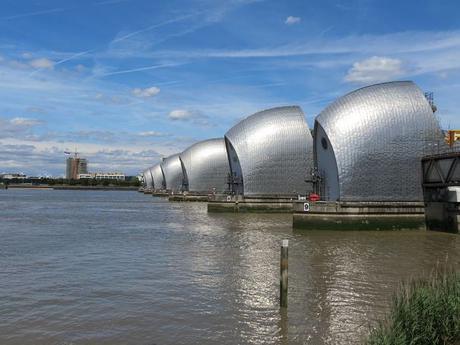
(32, 14)
(396, 43)
(155, 26)
(291, 20)
(139, 69)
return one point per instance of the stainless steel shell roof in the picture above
(275, 151)
(206, 166)
(148, 179)
(158, 178)
(172, 170)
(368, 143)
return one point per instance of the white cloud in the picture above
(25, 122)
(292, 20)
(375, 69)
(146, 93)
(151, 134)
(195, 117)
(27, 55)
(42, 63)
(180, 114)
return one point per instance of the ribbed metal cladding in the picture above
(274, 148)
(172, 170)
(158, 178)
(148, 179)
(206, 166)
(368, 143)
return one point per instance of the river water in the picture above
(84, 267)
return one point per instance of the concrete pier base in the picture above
(160, 194)
(233, 204)
(185, 198)
(443, 216)
(358, 215)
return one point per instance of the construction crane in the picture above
(75, 153)
(452, 136)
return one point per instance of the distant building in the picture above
(76, 166)
(103, 176)
(13, 176)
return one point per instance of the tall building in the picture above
(75, 166)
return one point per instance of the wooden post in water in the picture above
(284, 274)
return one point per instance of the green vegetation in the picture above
(423, 312)
(131, 182)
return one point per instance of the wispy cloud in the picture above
(32, 14)
(396, 43)
(155, 26)
(57, 10)
(139, 69)
(125, 37)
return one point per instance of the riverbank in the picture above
(425, 312)
(70, 187)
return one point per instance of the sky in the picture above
(126, 82)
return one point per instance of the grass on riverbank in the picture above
(423, 312)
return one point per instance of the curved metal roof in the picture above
(158, 178)
(368, 143)
(274, 152)
(172, 169)
(206, 166)
(148, 179)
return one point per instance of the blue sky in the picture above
(129, 81)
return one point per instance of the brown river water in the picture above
(96, 267)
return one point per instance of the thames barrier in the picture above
(358, 168)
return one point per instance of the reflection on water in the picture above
(120, 267)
